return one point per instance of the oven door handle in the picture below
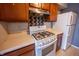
(48, 44)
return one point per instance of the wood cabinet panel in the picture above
(14, 12)
(8, 12)
(5, 11)
(21, 11)
(46, 6)
(29, 53)
(25, 50)
(53, 12)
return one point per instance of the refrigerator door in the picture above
(65, 19)
(71, 19)
(70, 35)
(67, 36)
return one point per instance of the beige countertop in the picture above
(16, 41)
(19, 40)
(55, 31)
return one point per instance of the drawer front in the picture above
(29, 53)
(20, 51)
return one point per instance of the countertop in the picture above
(55, 31)
(19, 40)
(16, 41)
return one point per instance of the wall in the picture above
(74, 7)
(19, 26)
(76, 34)
(4, 24)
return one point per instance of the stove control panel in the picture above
(45, 41)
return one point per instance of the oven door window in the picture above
(47, 50)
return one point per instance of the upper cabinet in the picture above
(20, 11)
(53, 12)
(14, 12)
(51, 7)
(46, 6)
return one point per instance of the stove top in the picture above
(42, 35)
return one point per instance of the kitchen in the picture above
(36, 29)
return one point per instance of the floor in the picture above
(71, 51)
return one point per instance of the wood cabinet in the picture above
(59, 41)
(4, 11)
(53, 12)
(25, 51)
(46, 6)
(20, 11)
(14, 12)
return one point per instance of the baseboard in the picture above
(75, 46)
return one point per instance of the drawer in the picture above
(21, 50)
(29, 53)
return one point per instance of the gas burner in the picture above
(42, 35)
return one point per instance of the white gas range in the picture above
(45, 42)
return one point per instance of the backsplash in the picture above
(18, 26)
(4, 24)
(36, 19)
(48, 24)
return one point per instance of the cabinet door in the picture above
(14, 12)
(6, 12)
(1, 10)
(53, 12)
(21, 11)
(36, 5)
(9, 13)
(46, 6)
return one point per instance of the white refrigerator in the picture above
(66, 23)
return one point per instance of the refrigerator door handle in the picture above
(69, 31)
(71, 20)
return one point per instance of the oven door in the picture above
(49, 49)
